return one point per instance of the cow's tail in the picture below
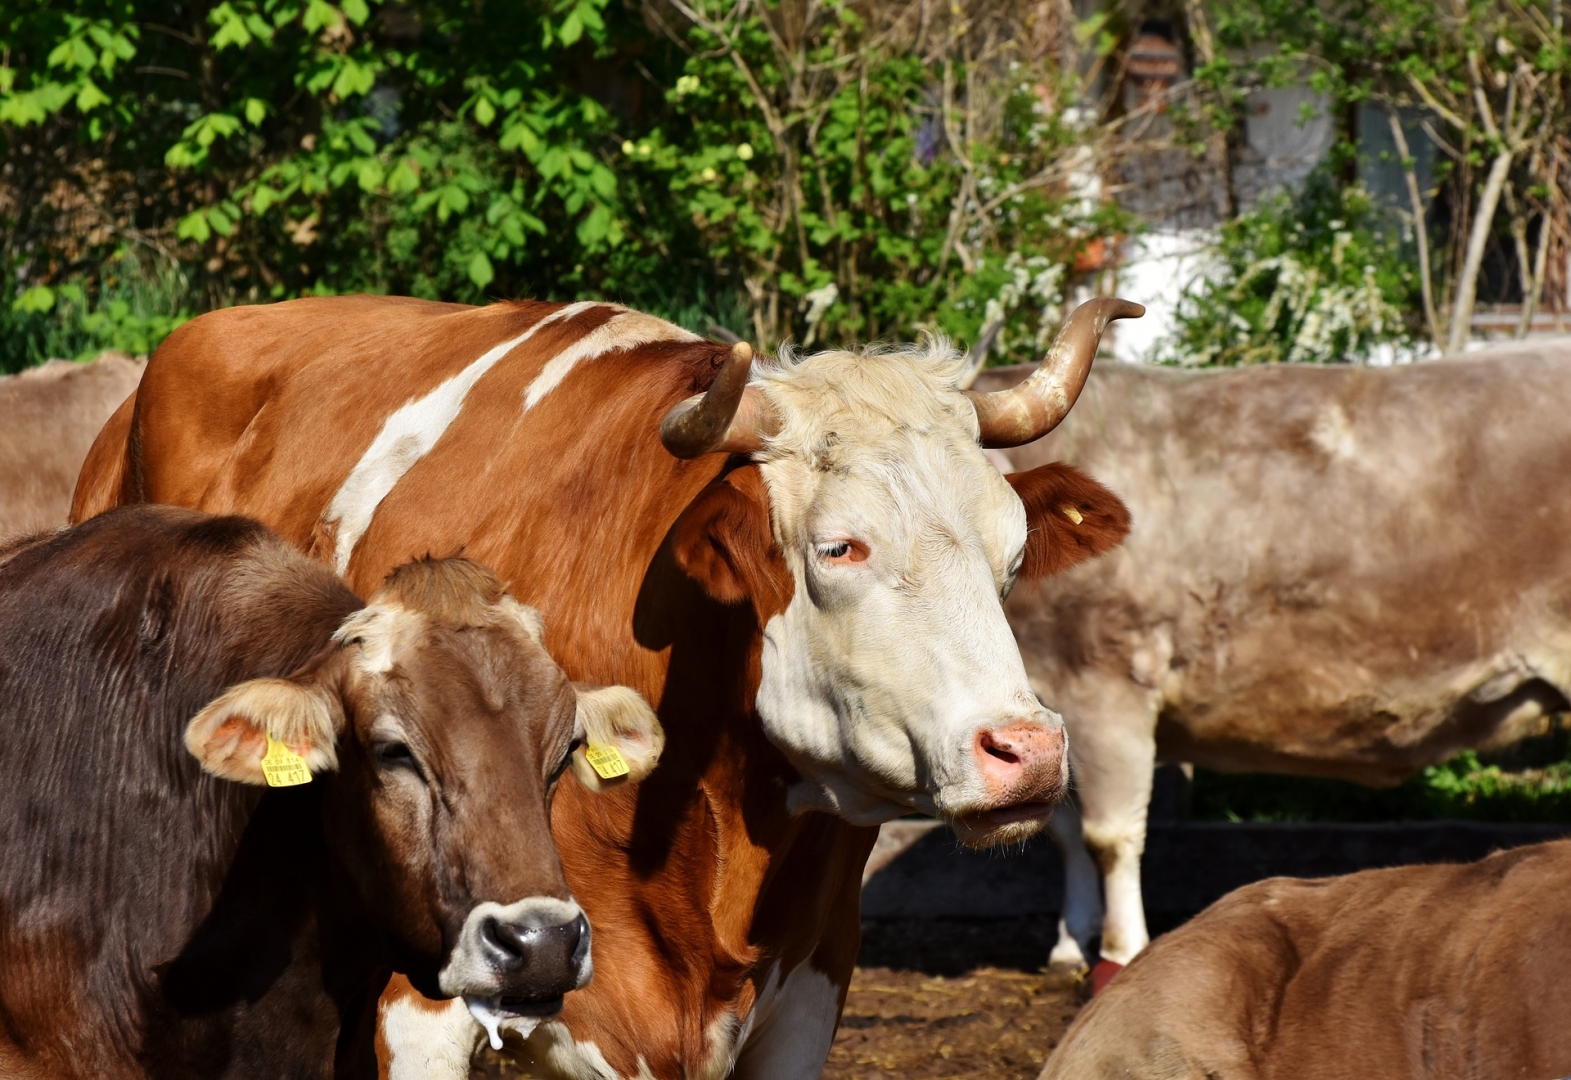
(101, 485)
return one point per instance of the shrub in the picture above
(1316, 277)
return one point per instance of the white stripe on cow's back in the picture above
(406, 437)
(410, 433)
(624, 330)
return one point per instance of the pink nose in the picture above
(1021, 762)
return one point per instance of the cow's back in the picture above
(113, 843)
(1423, 972)
(1316, 544)
(48, 418)
(210, 378)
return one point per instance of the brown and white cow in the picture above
(801, 561)
(236, 796)
(1334, 571)
(1418, 972)
(48, 418)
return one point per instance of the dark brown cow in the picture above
(1423, 972)
(801, 560)
(48, 417)
(159, 920)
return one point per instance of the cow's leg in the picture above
(1081, 920)
(1113, 753)
(792, 1028)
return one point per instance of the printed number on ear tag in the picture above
(283, 767)
(606, 761)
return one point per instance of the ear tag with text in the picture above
(606, 761)
(1072, 514)
(282, 767)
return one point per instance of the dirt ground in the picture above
(942, 999)
(948, 999)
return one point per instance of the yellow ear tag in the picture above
(282, 767)
(606, 761)
(1071, 513)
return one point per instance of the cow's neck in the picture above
(746, 888)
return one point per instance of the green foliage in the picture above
(1320, 276)
(129, 306)
(274, 148)
(264, 149)
(855, 193)
(1464, 787)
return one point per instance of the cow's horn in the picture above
(1035, 407)
(732, 418)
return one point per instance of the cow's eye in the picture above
(841, 551)
(392, 755)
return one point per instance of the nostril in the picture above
(996, 748)
(503, 941)
(578, 940)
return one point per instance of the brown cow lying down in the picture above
(162, 912)
(49, 416)
(1421, 971)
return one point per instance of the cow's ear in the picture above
(1069, 518)
(291, 721)
(614, 718)
(723, 541)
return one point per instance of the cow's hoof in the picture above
(1102, 974)
(1073, 969)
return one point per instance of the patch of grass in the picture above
(1528, 782)
(131, 305)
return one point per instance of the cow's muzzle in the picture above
(1024, 768)
(513, 963)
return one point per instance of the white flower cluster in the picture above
(1036, 280)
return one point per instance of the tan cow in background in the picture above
(1421, 972)
(49, 416)
(1332, 571)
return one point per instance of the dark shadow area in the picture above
(951, 947)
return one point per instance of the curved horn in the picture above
(730, 418)
(1026, 412)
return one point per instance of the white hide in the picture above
(878, 677)
(429, 1040)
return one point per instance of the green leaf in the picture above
(231, 31)
(319, 15)
(403, 179)
(35, 301)
(256, 111)
(594, 227)
(485, 112)
(264, 197)
(220, 221)
(518, 135)
(356, 10)
(194, 227)
(480, 270)
(371, 174)
(572, 28)
(90, 97)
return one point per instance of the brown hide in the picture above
(158, 920)
(1422, 972)
(705, 848)
(48, 418)
(1072, 519)
(698, 883)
